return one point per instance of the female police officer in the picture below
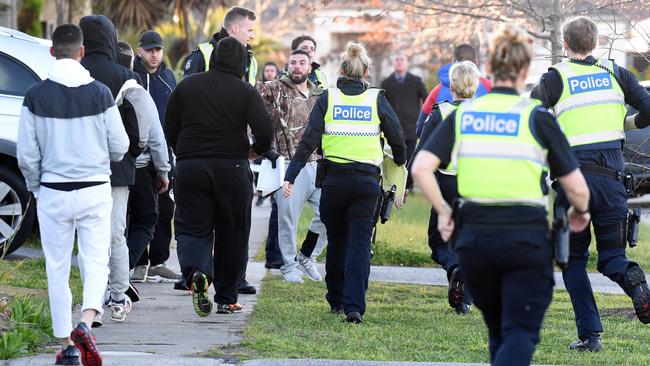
(346, 122)
(464, 79)
(501, 144)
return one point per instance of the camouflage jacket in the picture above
(289, 110)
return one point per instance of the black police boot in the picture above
(354, 317)
(637, 288)
(589, 343)
(246, 288)
(455, 293)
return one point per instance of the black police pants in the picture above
(440, 251)
(510, 274)
(346, 206)
(213, 214)
(158, 251)
(143, 213)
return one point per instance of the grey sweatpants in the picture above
(118, 278)
(289, 210)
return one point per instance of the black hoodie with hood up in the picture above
(100, 59)
(207, 114)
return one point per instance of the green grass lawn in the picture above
(414, 323)
(30, 274)
(402, 241)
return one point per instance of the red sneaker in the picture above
(85, 342)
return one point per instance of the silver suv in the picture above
(24, 61)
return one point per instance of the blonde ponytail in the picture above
(354, 61)
(464, 79)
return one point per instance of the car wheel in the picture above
(17, 211)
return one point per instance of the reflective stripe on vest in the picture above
(446, 109)
(206, 50)
(352, 128)
(499, 161)
(591, 108)
(320, 76)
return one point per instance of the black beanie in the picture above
(229, 56)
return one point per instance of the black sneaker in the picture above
(133, 293)
(455, 294)
(637, 288)
(200, 299)
(354, 317)
(85, 342)
(181, 285)
(589, 344)
(246, 288)
(68, 356)
(228, 308)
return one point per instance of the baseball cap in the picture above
(149, 40)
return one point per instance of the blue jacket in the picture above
(160, 84)
(445, 92)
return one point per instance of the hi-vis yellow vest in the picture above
(352, 128)
(320, 76)
(206, 50)
(591, 108)
(499, 161)
(446, 109)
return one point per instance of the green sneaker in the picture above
(200, 298)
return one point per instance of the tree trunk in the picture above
(556, 33)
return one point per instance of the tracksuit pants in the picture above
(118, 278)
(60, 213)
(213, 214)
(289, 210)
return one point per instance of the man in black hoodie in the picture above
(100, 43)
(206, 126)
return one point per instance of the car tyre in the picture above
(14, 225)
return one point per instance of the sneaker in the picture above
(120, 309)
(589, 343)
(133, 293)
(200, 299)
(228, 308)
(139, 274)
(85, 342)
(637, 287)
(308, 266)
(162, 273)
(455, 294)
(181, 285)
(293, 276)
(97, 322)
(246, 288)
(354, 318)
(68, 356)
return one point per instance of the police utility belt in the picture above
(626, 179)
(328, 168)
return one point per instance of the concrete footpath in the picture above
(163, 328)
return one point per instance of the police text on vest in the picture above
(490, 123)
(352, 113)
(587, 83)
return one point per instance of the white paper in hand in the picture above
(269, 179)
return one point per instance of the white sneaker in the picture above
(293, 276)
(308, 266)
(120, 310)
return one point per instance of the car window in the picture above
(15, 78)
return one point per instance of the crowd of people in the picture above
(479, 152)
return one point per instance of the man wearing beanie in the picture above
(206, 125)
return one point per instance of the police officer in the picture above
(238, 23)
(346, 122)
(501, 144)
(588, 98)
(464, 80)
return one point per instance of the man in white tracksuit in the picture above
(69, 132)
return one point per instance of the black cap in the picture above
(149, 40)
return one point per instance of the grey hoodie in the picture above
(69, 129)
